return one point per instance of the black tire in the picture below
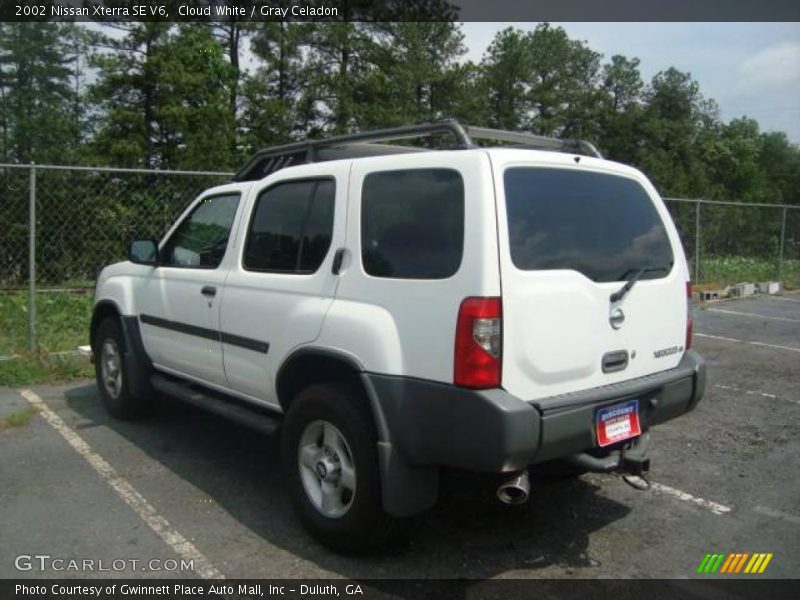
(122, 404)
(364, 525)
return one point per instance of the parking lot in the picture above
(186, 485)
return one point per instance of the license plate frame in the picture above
(617, 422)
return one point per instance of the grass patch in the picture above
(62, 321)
(19, 418)
(737, 269)
(28, 369)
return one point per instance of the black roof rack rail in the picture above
(530, 140)
(354, 145)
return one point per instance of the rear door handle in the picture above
(338, 257)
(209, 290)
(615, 361)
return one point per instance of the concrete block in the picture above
(769, 287)
(706, 295)
(743, 289)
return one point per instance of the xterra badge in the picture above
(667, 351)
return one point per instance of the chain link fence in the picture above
(85, 217)
(734, 242)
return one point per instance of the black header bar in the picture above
(400, 10)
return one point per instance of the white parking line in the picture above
(754, 316)
(785, 298)
(736, 389)
(752, 393)
(727, 339)
(714, 507)
(777, 514)
(171, 536)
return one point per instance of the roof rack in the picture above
(367, 143)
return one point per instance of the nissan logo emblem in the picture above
(617, 318)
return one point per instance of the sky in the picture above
(750, 69)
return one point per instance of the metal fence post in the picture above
(697, 242)
(780, 252)
(32, 260)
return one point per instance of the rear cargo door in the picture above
(570, 237)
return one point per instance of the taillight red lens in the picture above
(689, 319)
(478, 359)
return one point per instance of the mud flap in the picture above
(405, 490)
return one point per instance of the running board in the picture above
(216, 403)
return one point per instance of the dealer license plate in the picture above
(617, 423)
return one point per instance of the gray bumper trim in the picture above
(689, 365)
(423, 425)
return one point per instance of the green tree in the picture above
(779, 160)
(563, 84)
(38, 100)
(506, 68)
(339, 64)
(278, 104)
(679, 125)
(126, 94)
(162, 98)
(415, 71)
(621, 109)
(232, 34)
(542, 81)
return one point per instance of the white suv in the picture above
(398, 311)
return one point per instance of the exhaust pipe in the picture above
(515, 491)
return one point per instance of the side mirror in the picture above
(143, 252)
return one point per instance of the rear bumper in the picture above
(567, 422)
(427, 424)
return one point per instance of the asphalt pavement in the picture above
(75, 484)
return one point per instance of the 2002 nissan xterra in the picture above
(396, 311)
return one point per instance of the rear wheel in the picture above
(113, 374)
(330, 457)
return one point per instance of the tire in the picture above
(329, 446)
(113, 374)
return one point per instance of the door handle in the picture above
(209, 290)
(337, 261)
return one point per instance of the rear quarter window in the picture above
(602, 225)
(412, 223)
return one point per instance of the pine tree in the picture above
(37, 70)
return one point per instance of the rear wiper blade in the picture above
(623, 291)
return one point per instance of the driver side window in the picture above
(200, 240)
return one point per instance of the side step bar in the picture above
(216, 403)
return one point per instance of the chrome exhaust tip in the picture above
(516, 490)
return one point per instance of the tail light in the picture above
(689, 319)
(478, 343)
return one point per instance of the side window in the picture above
(291, 228)
(201, 239)
(412, 223)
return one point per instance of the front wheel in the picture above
(330, 457)
(113, 374)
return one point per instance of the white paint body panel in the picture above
(285, 310)
(555, 323)
(407, 326)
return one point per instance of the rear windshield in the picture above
(601, 225)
